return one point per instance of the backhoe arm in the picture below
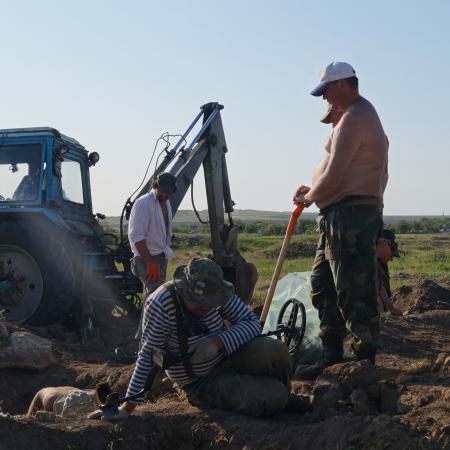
(208, 149)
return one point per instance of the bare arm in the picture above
(389, 305)
(142, 248)
(35, 405)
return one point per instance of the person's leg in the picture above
(354, 269)
(162, 262)
(138, 268)
(255, 381)
(264, 356)
(332, 324)
(247, 394)
(324, 299)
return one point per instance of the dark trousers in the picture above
(255, 380)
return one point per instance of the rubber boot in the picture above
(332, 353)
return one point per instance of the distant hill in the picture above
(242, 215)
(187, 217)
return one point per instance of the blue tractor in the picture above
(49, 236)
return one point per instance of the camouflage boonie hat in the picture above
(201, 282)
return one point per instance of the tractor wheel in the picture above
(36, 275)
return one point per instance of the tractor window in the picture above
(71, 181)
(19, 172)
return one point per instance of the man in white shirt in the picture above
(149, 233)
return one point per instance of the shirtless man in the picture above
(45, 398)
(65, 401)
(348, 189)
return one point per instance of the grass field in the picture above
(421, 255)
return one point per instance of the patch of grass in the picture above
(260, 250)
(423, 255)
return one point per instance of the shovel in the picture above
(281, 257)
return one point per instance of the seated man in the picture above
(231, 368)
(385, 251)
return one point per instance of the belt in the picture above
(353, 200)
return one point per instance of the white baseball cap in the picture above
(334, 71)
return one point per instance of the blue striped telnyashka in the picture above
(159, 330)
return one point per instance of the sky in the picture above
(115, 75)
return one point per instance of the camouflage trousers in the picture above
(254, 380)
(344, 286)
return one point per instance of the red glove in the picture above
(153, 272)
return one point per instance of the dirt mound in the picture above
(427, 295)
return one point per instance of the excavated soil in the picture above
(427, 295)
(413, 371)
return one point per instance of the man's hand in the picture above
(302, 190)
(122, 414)
(153, 272)
(299, 196)
(205, 350)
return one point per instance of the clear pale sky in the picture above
(115, 75)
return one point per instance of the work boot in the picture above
(332, 353)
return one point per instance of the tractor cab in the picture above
(41, 168)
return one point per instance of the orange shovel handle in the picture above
(293, 220)
(284, 249)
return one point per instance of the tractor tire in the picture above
(40, 273)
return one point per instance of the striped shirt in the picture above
(159, 330)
